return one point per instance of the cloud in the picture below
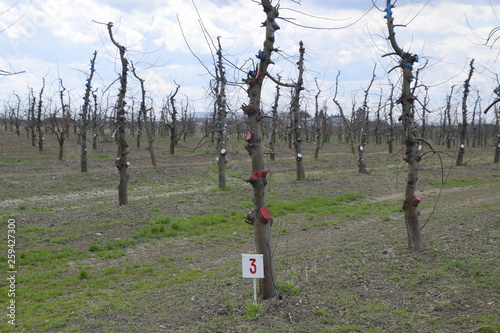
(59, 36)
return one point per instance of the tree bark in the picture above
(364, 129)
(173, 124)
(121, 162)
(32, 118)
(463, 127)
(412, 156)
(94, 122)
(297, 129)
(83, 121)
(347, 124)
(260, 217)
(39, 119)
(222, 116)
(62, 134)
(144, 114)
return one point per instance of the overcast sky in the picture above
(56, 38)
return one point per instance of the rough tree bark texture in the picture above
(62, 134)
(412, 156)
(297, 130)
(260, 216)
(494, 105)
(144, 114)
(173, 123)
(364, 130)
(463, 127)
(121, 162)
(497, 137)
(83, 121)
(222, 118)
(15, 114)
(32, 117)
(94, 122)
(39, 118)
(391, 138)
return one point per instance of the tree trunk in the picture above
(39, 119)
(274, 124)
(412, 156)
(297, 129)
(260, 216)
(391, 138)
(121, 161)
(496, 159)
(94, 123)
(62, 133)
(222, 115)
(32, 118)
(364, 127)
(144, 114)
(173, 123)
(347, 123)
(85, 108)
(463, 127)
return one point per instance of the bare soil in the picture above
(355, 275)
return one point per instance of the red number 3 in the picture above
(253, 268)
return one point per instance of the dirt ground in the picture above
(354, 275)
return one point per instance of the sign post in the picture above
(252, 267)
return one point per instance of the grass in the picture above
(288, 288)
(208, 225)
(456, 182)
(171, 261)
(253, 310)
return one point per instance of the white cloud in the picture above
(60, 34)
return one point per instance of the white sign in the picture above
(252, 266)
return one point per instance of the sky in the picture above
(55, 39)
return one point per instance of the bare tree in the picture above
(475, 133)
(59, 132)
(463, 126)
(144, 113)
(84, 116)
(172, 125)
(15, 114)
(390, 129)
(39, 118)
(494, 105)
(31, 117)
(297, 129)
(412, 154)
(260, 216)
(221, 82)
(274, 123)
(121, 161)
(364, 127)
(95, 131)
(447, 120)
(348, 125)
